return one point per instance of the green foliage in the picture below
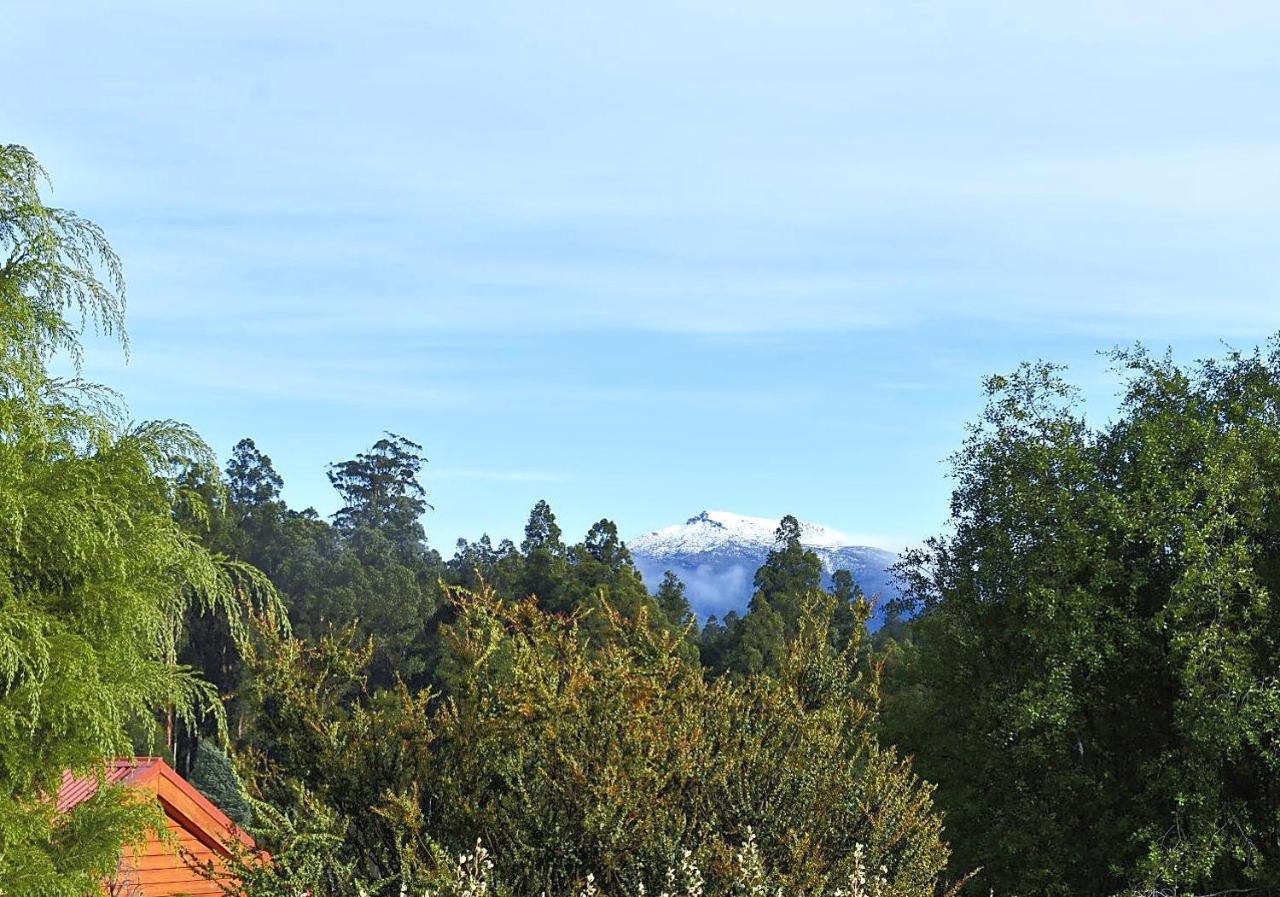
(57, 267)
(252, 480)
(306, 844)
(216, 778)
(790, 572)
(674, 600)
(1093, 681)
(338, 766)
(545, 561)
(96, 575)
(565, 754)
(629, 756)
(371, 569)
(716, 641)
(785, 583)
(382, 491)
(478, 563)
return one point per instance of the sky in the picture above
(649, 258)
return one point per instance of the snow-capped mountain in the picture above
(717, 554)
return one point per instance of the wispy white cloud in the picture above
(834, 167)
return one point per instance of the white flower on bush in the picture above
(472, 877)
(861, 882)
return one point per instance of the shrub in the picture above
(564, 756)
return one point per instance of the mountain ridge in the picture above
(716, 554)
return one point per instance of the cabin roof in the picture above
(170, 788)
(124, 771)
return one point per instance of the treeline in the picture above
(370, 569)
(1083, 683)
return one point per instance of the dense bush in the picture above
(565, 755)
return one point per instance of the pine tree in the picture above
(216, 778)
(673, 600)
(788, 578)
(790, 572)
(852, 608)
(545, 561)
(601, 565)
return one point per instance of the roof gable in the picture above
(179, 799)
(122, 771)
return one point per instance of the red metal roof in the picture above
(124, 771)
(193, 858)
(141, 771)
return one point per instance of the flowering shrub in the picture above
(561, 754)
(472, 876)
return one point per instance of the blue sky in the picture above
(642, 259)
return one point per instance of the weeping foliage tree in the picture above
(95, 574)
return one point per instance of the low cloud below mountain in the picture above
(717, 553)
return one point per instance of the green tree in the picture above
(673, 599)
(474, 563)
(216, 778)
(545, 564)
(716, 640)
(852, 607)
(242, 516)
(601, 565)
(96, 575)
(252, 480)
(372, 568)
(790, 574)
(382, 490)
(1093, 680)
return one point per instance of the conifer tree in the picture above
(790, 572)
(545, 561)
(789, 576)
(216, 778)
(852, 608)
(601, 564)
(673, 600)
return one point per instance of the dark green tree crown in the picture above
(381, 489)
(252, 480)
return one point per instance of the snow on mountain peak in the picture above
(717, 553)
(711, 530)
